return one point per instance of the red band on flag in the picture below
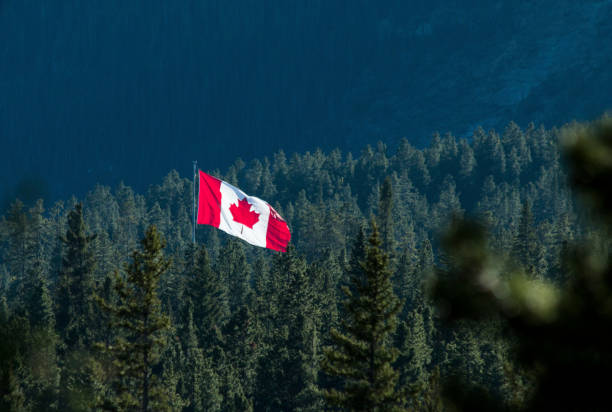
(278, 235)
(209, 200)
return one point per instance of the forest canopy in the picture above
(230, 327)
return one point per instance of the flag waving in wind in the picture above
(230, 209)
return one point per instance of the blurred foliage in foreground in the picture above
(562, 332)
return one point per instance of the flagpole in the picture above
(195, 169)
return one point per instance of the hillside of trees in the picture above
(105, 302)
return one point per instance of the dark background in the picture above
(105, 90)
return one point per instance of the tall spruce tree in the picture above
(208, 293)
(13, 335)
(385, 217)
(199, 384)
(358, 253)
(525, 246)
(76, 318)
(288, 367)
(362, 354)
(23, 257)
(75, 313)
(15, 232)
(414, 357)
(37, 300)
(232, 267)
(241, 343)
(140, 324)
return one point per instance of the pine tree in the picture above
(362, 354)
(406, 281)
(242, 336)
(14, 231)
(358, 253)
(385, 217)
(29, 375)
(525, 247)
(448, 203)
(426, 258)
(141, 324)
(288, 368)
(30, 371)
(128, 218)
(467, 161)
(199, 383)
(415, 354)
(208, 292)
(325, 275)
(18, 253)
(170, 370)
(233, 394)
(232, 267)
(489, 153)
(38, 302)
(13, 335)
(76, 314)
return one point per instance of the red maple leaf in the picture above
(242, 213)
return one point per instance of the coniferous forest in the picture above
(472, 274)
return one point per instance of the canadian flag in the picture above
(230, 209)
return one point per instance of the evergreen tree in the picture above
(232, 267)
(234, 397)
(29, 375)
(208, 293)
(288, 368)
(13, 334)
(37, 300)
(362, 355)
(525, 247)
(489, 153)
(199, 383)
(141, 324)
(18, 256)
(325, 275)
(358, 253)
(385, 217)
(40, 304)
(29, 364)
(170, 371)
(467, 161)
(426, 258)
(407, 282)
(241, 347)
(414, 357)
(448, 203)
(75, 314)
(128, 219)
